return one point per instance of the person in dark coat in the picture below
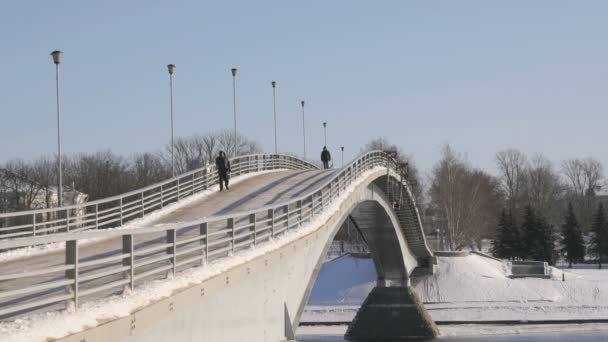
(223, 169)
(325, 157)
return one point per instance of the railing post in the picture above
(338, 185)
(96, 216)
(205, 178)
(253, 228)
(299, 206)
(193, 173)
(312, 206)
(286, 206)
(271, 218)
(161, 197)
(203, 230)
(67, 220)
(34, 224)
(142, 205)
(128, 248)
(230, 223)
(71, 258)
(172, 250)
(121, 211)
(323, 199)
(177, 189)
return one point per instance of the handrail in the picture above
(174, 246)
(54, 220)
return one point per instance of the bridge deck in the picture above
(249, 194)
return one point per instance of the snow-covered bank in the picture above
(469, 288)
(53, 325)
(19, 253)
(479, 289)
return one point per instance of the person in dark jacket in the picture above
(325, 157)
(223, 169)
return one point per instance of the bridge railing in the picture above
(117, 210)
(129, 256)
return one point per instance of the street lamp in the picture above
(171, 69)
(57, 59)
(342, 148)
(274, 104)
(303, 128)
(325, 132)
(236, 144)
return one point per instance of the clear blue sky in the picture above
(480, 75)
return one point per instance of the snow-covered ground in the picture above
(470, 288)
(57, 324)
(19, 253)
(478, 288)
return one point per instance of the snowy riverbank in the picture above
(469, 288)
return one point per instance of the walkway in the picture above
(249, 194)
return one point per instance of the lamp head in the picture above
(342, 148)
(56, 56)
(302, 103)
(274, 84)
(234, 70)
(171, 68)
(324, 124)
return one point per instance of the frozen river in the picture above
(599, 336)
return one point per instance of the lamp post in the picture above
(57, 59)
(236, 143)
(274, 106)
(342, 148)
(325, 132)
(303, 128)
(171, 69)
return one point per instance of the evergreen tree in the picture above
(534, 235)
(548, 239)
(599, 240)
(573, 245)
(499, 248)
(506, 244)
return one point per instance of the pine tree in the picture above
(573, 245)
(599, 240)
(534, 235)
(507, 237)
(548, 239)
(499, 248)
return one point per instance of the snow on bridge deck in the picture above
(251, 193)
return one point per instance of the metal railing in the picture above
(117, 210)
(131, 255)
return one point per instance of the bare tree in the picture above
(467, 200)
(22, 189)
(148, 168)
(195, 151)
(584, 178)
(544, 189)
(512, 165)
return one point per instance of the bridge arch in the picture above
(375, 214)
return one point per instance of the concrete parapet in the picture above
(391, 313)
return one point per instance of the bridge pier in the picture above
(391, 313)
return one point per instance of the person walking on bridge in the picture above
(325, 157)
(223, 169)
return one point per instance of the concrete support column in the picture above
(391, 313)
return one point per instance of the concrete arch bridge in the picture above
(240, 264)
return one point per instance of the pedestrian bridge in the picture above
(179, 260)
